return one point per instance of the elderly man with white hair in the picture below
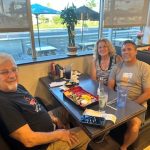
(26, 124)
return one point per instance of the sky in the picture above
(60, 4)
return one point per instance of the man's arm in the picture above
(144, 96)
(111, 83)
(30, 138)
(145, 84)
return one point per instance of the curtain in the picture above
(125, 13)
(13, 15)
(146, 38)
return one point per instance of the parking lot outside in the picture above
(19, 44)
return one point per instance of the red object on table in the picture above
(78, 95)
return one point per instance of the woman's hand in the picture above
(57, 122)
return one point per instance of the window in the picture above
(16, 43)
(13, 15)
(124, 19)
(14, 28)
(52, 38)
(125, 13)
(49, 36)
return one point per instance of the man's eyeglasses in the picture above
(7, 72)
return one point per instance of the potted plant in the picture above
(139, 38)
(69, 18)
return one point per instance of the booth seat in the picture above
(3, 144)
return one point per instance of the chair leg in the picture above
(101, 138)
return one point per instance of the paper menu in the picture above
(54, 84)
(91, 112)
(110, 117)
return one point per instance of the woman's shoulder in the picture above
(118, 58)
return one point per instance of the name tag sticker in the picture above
(127, 75)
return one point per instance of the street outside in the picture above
(18, 44)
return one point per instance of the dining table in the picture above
(132, 109)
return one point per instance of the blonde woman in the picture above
(104, 59)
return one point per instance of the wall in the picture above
(29, 74)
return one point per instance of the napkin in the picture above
(63, 87)
(54, 84)
(91, 112)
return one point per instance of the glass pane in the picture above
(119, 35)
(52, 38)
(16, 44)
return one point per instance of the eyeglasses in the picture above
(7, 72)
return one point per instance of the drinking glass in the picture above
(68, 72)
(122, 93)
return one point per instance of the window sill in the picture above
(52, 57)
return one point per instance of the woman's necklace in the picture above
(104, 64)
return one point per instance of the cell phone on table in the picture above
(91, 120)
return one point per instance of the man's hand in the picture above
(67, 136)
(144, 96)
(59, 124)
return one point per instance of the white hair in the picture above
(5, 56)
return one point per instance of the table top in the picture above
(131, 110)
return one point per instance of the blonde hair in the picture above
(111, 48)
(5, 56)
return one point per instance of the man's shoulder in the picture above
(143, 64)
(6, 97)
(21, 86)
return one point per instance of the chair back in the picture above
(147, 117)
(3, 144)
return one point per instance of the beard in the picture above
(12, 87)
(127, 58)
(12, 84)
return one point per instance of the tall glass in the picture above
(102, 96)
(67, 72)
(122, 93)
